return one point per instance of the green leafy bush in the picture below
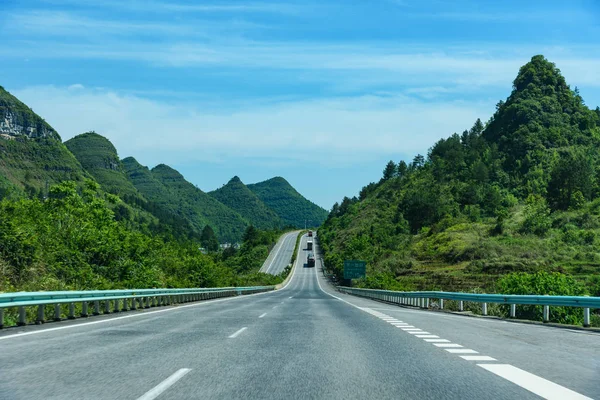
(543, 283)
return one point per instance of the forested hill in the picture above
(518, 194)
(32, 157)
(291, 206)
(99, 158)
(238, 197)
(200, 208)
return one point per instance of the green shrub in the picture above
(543, 283)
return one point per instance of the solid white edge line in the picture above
(179, 307)
(277, 252)
(236, 334)
(262, 315)
(470, 351)
(164, 385)
(141, 314)
(535, 384)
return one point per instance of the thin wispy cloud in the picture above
(340, 126)
(274, 83)
(156, 6)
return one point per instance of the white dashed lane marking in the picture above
(540, 386)
(526, 380)
(234, 335)
(461, 351)
(447, 345)
(478, 358)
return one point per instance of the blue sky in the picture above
(323, 93)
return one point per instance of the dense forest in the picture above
(290, 205)
(71, 240)
(238, 197)
(502, 202)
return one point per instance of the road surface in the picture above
(281, 255)
(300, 342)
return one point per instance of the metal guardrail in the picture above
(421, 299)
(122, 300)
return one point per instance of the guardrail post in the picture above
(71, 311)
(40, 314)
(22, 316)
(106, 306)
(84, 309)
(427, 303)
(1, 318)
(96, 307)
(546, 313)
(441, 304)
(57, 312)
(461, 306)
(586, 317)
(484, 308)
(116, 306)
(133, 305)
(125, 304)
(513, 311)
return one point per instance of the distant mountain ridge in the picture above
(200, 208)
(33, 158)
(291, 206)
(238, 197)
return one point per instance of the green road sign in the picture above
(354, 269)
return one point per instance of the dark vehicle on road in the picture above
(310, 260)
(309, 244)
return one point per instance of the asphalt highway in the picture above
(280, 256)
(305, 341)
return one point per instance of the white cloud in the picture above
(155, 6)
(324, 131)
(76, 86)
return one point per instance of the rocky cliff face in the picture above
(14, 125)
(18, 120)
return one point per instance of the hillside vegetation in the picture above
(99, 158)
(72, 241)
(238, 197)
(290, 205)
(513, 198)
(199, 208)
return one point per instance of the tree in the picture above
(477, 128)
(250, 235)
(208, 239)
(390, 171)
(572, 174)
(402, 168)
(418, 161)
